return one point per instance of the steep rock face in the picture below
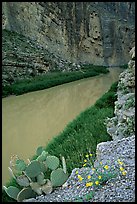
(122, 129)
(91, 32)
(123, 124)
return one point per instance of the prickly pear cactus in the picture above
(12, 191)
(47, 188)
(11, 173)
(64, 165)
(44, 167)
(23, 181)
(39, 150)
(52, 162)
(25, 193)
(20, 165)
(33, 169)
(42, 157)
(40, 179)
(36, 187)
(31, 176)
(58, 177)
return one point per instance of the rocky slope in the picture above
(100, 33)
(23, 58)
(122, 129)
(122, 187)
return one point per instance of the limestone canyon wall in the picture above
(89, 32)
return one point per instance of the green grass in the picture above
(51, 79)
(84, 133)
(81, 135)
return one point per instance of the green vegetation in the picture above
(52, 79)
(81, 135)
(124, 66)
(32, 177)
(84, 133)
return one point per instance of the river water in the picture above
(31, 120)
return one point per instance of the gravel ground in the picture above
(119, 189)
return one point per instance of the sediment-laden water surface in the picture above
(31, 120)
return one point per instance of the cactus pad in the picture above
(40, 179)
(12, 191)
(36, 188)
(58, 177)
(23, 180)
(47, 188)
(26, 193)
(43, 156)
(43, 166)
(39, 150)
(52, 162)
(20, 165)
(33, 169)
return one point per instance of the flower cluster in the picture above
(121, 167)
(99, 175)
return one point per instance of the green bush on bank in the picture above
(52, 79)
(124, 66)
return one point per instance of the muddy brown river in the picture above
(31, 120)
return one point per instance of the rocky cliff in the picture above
(91, 32)
(122, 129)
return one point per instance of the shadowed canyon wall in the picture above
(89, 32)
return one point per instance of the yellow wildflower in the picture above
(87, 155)
(76, 172)
(89, 184)
(96, 182)
(121, 168)
(99, 177)
(93, 169)
(100, 162)
(80, 179)
(106, 167)
(124, 173)
(89, 177)
(121, 163)
(84, 164)
(85, 160)
(91, 155)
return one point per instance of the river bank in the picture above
(52, 79)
